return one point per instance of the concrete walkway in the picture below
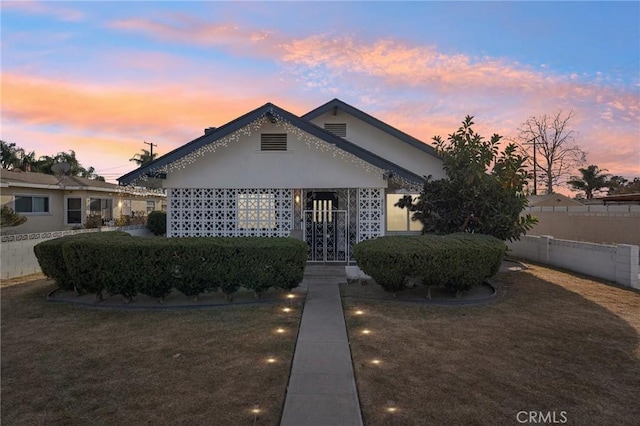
(322, 388)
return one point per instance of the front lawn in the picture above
(552, 343)
(64, 364)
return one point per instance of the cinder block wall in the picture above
(596, 224)
(16, 251)
(617, 263)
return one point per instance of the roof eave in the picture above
(329, 106)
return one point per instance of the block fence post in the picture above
(627, 265)
(543, 248)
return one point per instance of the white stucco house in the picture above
(330, 177)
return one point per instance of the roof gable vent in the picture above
(338, 129)
(273, 142)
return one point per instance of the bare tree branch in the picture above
(550, 145)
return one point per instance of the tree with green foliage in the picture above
(16, 158)
(8, 217)
(592, 179)
(482, 193)
(620, 185)
(144, 158)
(9, 155)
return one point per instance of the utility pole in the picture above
(535, 164)
(535, 168)
(151, 145)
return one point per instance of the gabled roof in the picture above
(240, 122)
(551, 200)
(369, 119)
(627, 198)
(20, 179)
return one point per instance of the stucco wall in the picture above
(385, 145)
(243, 165)
(55, 219)
(596, 224)
(37, 222)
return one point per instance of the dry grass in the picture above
(63, 364)
(21, 280)
(552, 342)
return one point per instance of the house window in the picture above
(101, 207)
(74, 211)
(256, 211)
(151, 206)
(125, 207)
(400, 219)
(31, 204)
(273, 142)
(338, 129)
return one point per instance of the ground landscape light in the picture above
(391, 406)
(271, 360)
(286, 309)
(359, 312)
(366, 331)
(280, 330)
(375, 361)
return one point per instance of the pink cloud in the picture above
(186, 29)
(109, 122)
(53, 9)
(114, 108)
(416, 88)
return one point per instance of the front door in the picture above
(325, 228)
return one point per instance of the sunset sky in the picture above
(102, 77)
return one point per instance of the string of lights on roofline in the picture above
(271, 116)
(136, 190)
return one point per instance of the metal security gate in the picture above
(325, 227)
(326, 235)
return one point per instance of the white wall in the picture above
(243, 165)
(16, 251)
(617, 263)
(385, 145)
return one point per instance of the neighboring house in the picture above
(330, 177)
(550, 200)
(619, 199)
(54, 203)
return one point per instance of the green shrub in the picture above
(157, 222)
(456, 262)
(194, 269)
(264, 263)
(190, 265)
(51, 259)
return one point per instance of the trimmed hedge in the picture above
(456, 262)
(51, 260)
(190, 265)
(157, 222)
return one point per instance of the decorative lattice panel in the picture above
(370, 213)
(352, 198)
(230, 212)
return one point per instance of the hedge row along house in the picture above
(56, 203)
(330, 177)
